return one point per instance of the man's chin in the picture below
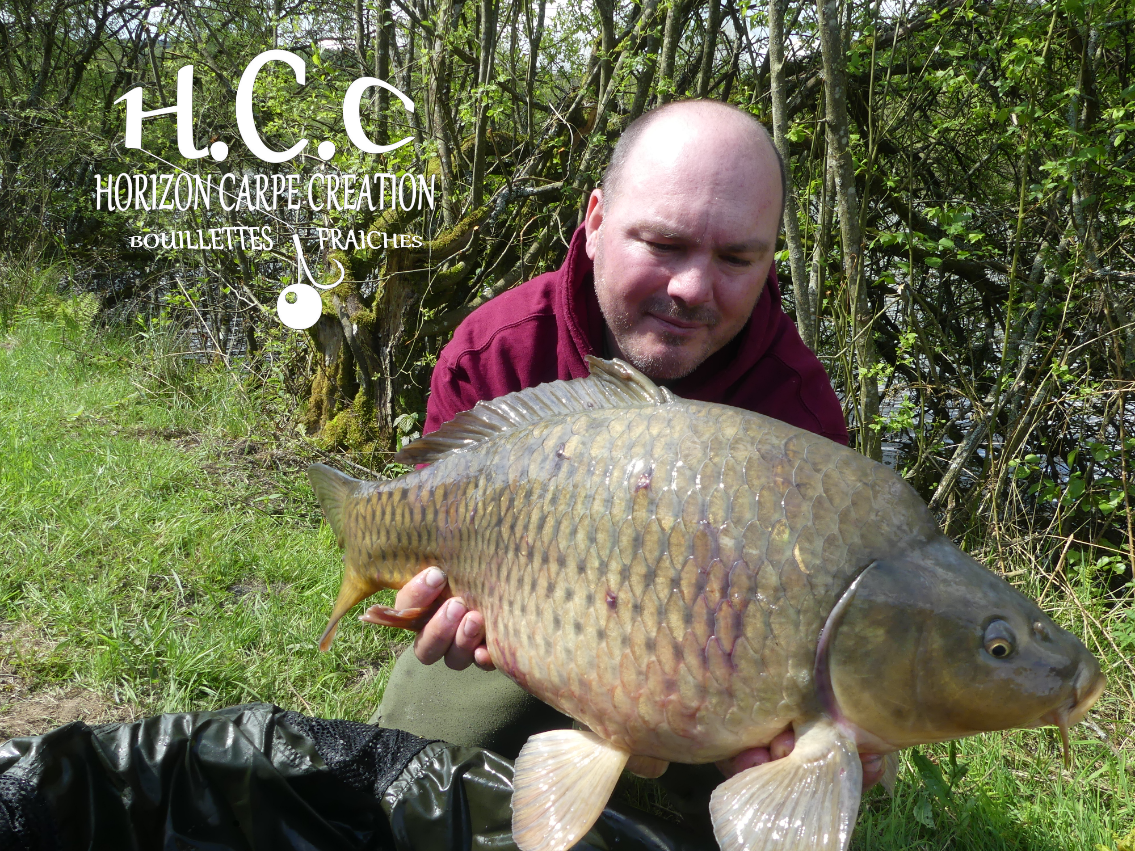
(665, 364)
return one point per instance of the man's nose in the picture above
(693, 282)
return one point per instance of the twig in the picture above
(340, 459)
(1106, 634)
(306, 705)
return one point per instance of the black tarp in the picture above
(261, 777)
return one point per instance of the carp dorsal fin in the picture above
(806, 801)
(612, 383)
(561, 783)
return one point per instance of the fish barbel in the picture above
(688, 580)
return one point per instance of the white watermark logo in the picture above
(299, 306)
(306, 306)
(246, 123)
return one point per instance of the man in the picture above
(672, 270)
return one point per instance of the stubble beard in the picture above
(676, 358)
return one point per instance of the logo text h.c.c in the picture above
(246, 123)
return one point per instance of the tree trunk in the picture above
(439, 106)
(709, 46)
(847, 202)
(671, 36)
(360, 36)
(484, 78)
(360, 384)
(805, 319)
(606, 9)
(384, 31)
(821, 242)
(646, 77)
(535, 36)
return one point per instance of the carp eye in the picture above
(999, 640)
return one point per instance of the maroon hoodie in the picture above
(541, 330)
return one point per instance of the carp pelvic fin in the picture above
(561, 784)
(355, 587)
(413, 619)
(805, 802)
(890, 772)
(611, 384)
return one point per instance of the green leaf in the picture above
(931, 777)
(924, 813)
(933, 262)
(1075, 488)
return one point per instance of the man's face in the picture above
(682, 253)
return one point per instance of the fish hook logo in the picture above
(307, 307)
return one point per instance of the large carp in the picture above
(688, 580)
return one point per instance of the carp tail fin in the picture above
(332, 489)
(561, 784)
(807, 801)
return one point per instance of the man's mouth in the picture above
(678, 327)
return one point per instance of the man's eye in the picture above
(662, 246)
(734, 260)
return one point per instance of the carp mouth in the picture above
(1088, 689)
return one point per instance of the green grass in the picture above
(1014, 793)
(159, 538)
(160, 544)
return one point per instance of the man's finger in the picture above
(437, 635)
(422, 590)
(744, 760)
(780, 747)
(482, 659)
(470, 634)
(782, 744)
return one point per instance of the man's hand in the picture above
(781, 746)
(453, 632)
(457, 635)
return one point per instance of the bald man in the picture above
(672, 271)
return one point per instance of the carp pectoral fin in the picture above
(806, 801)
(413, 619)
(355, 587)
(562, 781)
(647, 766)
(890, 772)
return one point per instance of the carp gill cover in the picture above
(688, 580)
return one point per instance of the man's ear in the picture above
(592, 221)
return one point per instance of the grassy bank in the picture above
(160, 548)
(160, 544)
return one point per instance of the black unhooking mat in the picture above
(261, 777)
